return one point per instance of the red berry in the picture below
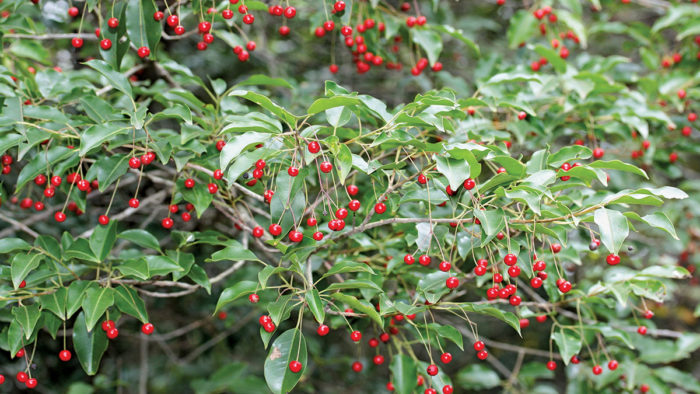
(424, 260)
(314, 147)
(103, 220)
(444, 266)
(452, 282)
(147, 328)
(167, 223)
(510, 259)
(113, 23)
(112, 333)
(322, 330)
(446, 358)
(326, 167)
(378, 359)
(482, 355)
(22, 377)
(77, 42)
(158, 15)
(612, 365)
(73, 11)
(60, 216)
(613, 259)
(597, 370)
(253, 298)
(551, 365)
(432, 370)
(275, 229)
(357, 366)
(295, 366)
(380, 208)
(134, 203)
(143, 52)
(352, 190)
(642, 330)
(356, 336)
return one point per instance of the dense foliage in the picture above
(349, 196)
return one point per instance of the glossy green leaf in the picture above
(55, 302)
(95, 303)
(313, 300)
(102, 239)
(141, 238)
(128, 301)
(568, 342)
(114, 78)
(404, 374)
(358, 306)
(143, 30)
(21, 265)
(232, 293)
(89, 345)
(27, 316)
(289, 346)
(613, 227)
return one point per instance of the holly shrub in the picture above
(349, 196)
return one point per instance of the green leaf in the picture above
(30, 49)
(144, 31)
(568, 342)
(661, 221)
(288, 347)
(9, 245)
(128, 301)
(80, 249)
(55, 302)
(358, 306)
(40, 163)
(137, 268)
(522, 27)
(478, 377)
(354, 284)
(22, 265)
(613, 227)
(575, 23)
(14, 336)
(325, 103)
(115, 78)
(345, 266)
(264, 80)
(448, 332)
(667, 271)
(234, 292)
(404, 374)
(75, 296)
(234, 251)
(458, 34)
(141, 238)
(96, 302)
(507, 317)
(99, 134)
(313, 299)
(161, 265)
(456, 171)
(266, 103)
(675, 377)
(114, 55)
(552, 57)
(238, 144)
(492, 222)
(199, 196)
(433, 287)
(567, 154)
(107, 169)
(27, 316)
(102, 239)
(430, 41)
(618, 165)
(89, 345)
(343, 163)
